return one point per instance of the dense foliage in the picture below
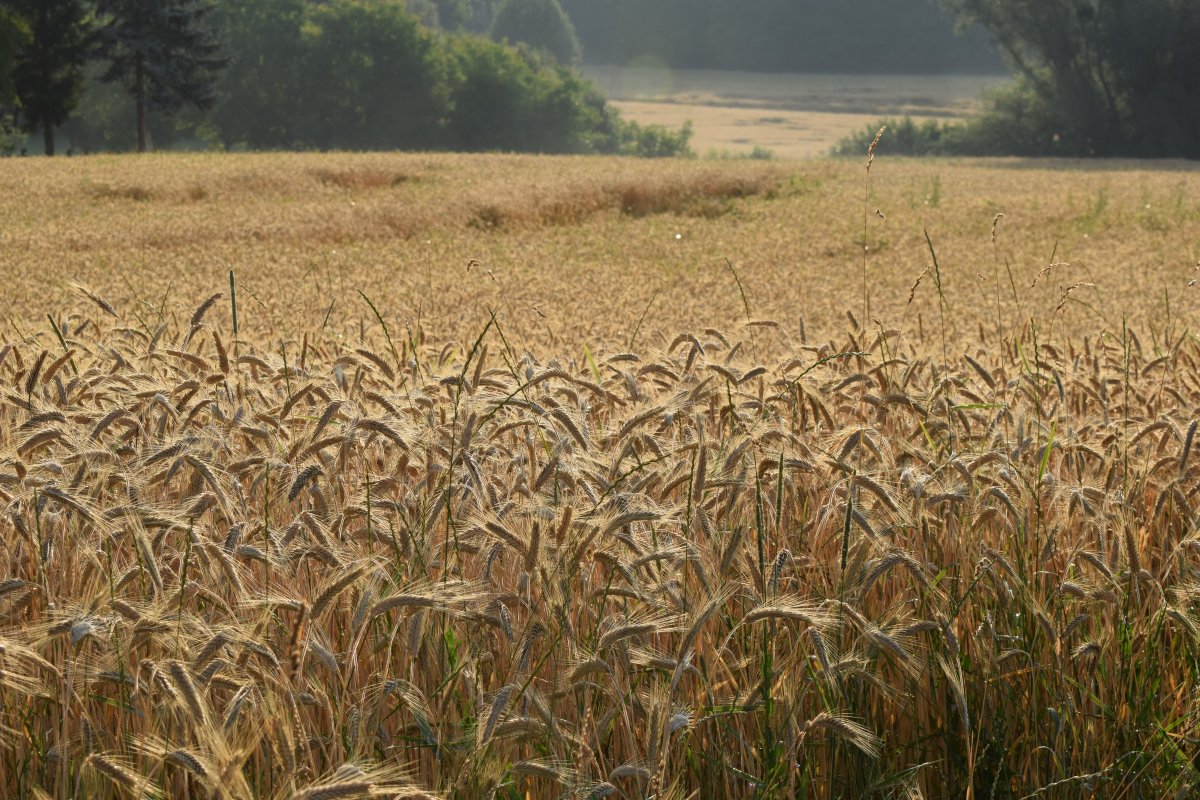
(1093, 79)
(370, 76)
(343, 74)
(47, 61)
(1100, 77)
(12, 35)
(162, 53)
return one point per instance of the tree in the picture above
(452, 14)
(258, 94)
(518, 99)
(13, 34)
(480, 14)
(162, 52)
(1118, 77)
(374, 78)
(539, 23)
(47, 73)
(424, 10)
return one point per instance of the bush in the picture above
(655, 141)
(1017, 121)
(904, 137)
(503, 98)
(11, 139)
(757, 153)
(1014, 122)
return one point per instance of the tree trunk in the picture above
(44, 67)
(140, 91)
(141, 125)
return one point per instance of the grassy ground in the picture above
(531, 478)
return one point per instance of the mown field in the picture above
(793, 116)
(528, 477)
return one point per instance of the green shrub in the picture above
(1015, 122)
(904, 137)
(516, 99)
(655, 141)
(505, 98)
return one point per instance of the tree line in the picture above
(1092, 77)
(162, 54)
(1109, 78)
(305, 74)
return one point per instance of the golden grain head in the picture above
(424, 530)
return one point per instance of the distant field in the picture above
(541, 478)
(722, 129)
(796, 116)
(594, 240)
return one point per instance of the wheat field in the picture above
(515, 477)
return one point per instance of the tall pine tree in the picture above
(47, 76)
(163, 52)
(13, 34)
